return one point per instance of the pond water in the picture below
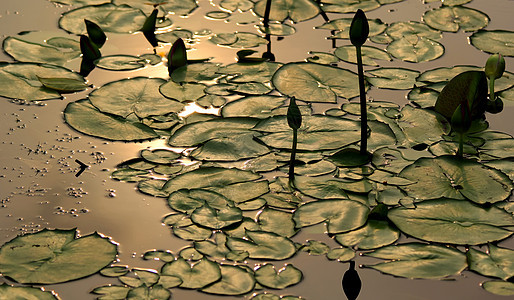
(39, 153)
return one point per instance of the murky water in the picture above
(38, 153)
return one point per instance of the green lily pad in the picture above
(277, 29)
(451, 177)
(125, 62)
(196, 72)
(233, 5)
(80, 2)
(412, 31)
(55, 256)
(207, 101)
(423, 97)
(263, 245)
(315, 83)
(341, 254)
(234, 281)
(322, 58)
(64, 85)
(316, 133)
(42, 47)
(268, 276)
(138, 95)
(110, 17)
(21, 80)
(238, 40)
(444, 74)
(25, 292)
(196, 133)
(209, 177)
(349, 6)
(240, 192)
(421, 126)
(152, 187)
(315, 248)
(296, 10)
(188, 200)
(253, 106)
(160, 156)
(216, 218)
(498, 262)
(277, 221)
(114, 271)
(453, 18)
(84, 117)
(393, 78)
(373, 235)
(156, 292)
(162, 255)
(241, 146)
(502, 288)
(369, 54)
(112, 291)
(494, 41)
(250, 72)
(342, 26)
(415, 49)
(183, 92)
(418, 260)
(340, 215)
(217, 15)
(177, 7)
(452, 221)
(194, 276)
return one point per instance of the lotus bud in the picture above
(359, 29)
(294, 117)
(495, 66)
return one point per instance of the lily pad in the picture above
(369, 54)
(238, 40)
(415, 49)
(418, 260)
(55, 256)
(268, 276)
(263, 245)
(412, 31)
(277, 29)
(233, 5)
(315, 83)
(25, 292)
(64, 85)
(349, 6)
(250, 72)
(183, 92)
(177, 7)
(241, 146)
(342, 26)
(494, 41)
(21, 80)
(216, 218)
(340, 215)
(125, 62)
(452, 221)
(453, 18)
(498, 262)
(252, 106)
(373, 235)
(421, 126)
(451, 177)
(42, 47)
(502, 288)
(84, 117)
(296, 10)
(277, 221)
(110, 17)
(193, 275)
(234, 281)
(393, 78)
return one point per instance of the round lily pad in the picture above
(263, 245)
(493, 41)
(296, 10)
(268, 276)
(193, 275)
(453, 18)
(411, 31)
(177, 7)
(373, 235)
(369, 54)
(415, 49)
(234, 281)
(25, 292)
(453, 221)
(393, 78)
(58, 254)
(342, 27)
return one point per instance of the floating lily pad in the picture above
(241, 146)
(494, 41)
(296, 10)
(452, 221)
(315, 83)
(42, 47)
(415, 49)
(340, 215)
(217, 15)
(277, 221)
(349, 6)
(112, 291)
(124, 62)
(250, 72)
(277, 29)
(174, 35)
(451, 177)
(216, 218)
(393, 78)
(498, 262)
(252, 106)
(110, 17)
(453, 18)
(238, 40)
(193, 276)
(263, 245)
(84, 117)
(64, 85)
(376, 27)
(268, 276)
(183, 92)
(21, 80)
(233, 5)
(316, 133)
(139, 95)
(195, 72)
(502, 288)
(160, 156)
(25, 292)
(369, 54)
(234, 281)
(322, 58)
(417, 260)
(58, 254)
(316, 248)
(177, 7)
(341, 254)
(421, 126)
(373, 235)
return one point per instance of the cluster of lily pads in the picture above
(225, 176)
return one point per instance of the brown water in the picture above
(38, 188)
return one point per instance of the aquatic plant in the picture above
(494, 68)
(294, 120)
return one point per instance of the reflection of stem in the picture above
(491, 88)
(293, 157)
(266, 14)
(364, 115)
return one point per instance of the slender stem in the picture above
(461, 145)
(491, 89)
(293, 157)
(266, 14)
(322, 12)
(364, 114)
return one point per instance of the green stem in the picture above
(364, 114)
(293, 158)
(491, 89)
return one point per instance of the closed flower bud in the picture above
(495, 66)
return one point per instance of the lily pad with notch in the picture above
(295, 10)
(453, 18)
(493, 41)
(369, 54)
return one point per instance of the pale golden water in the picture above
(38, 188)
